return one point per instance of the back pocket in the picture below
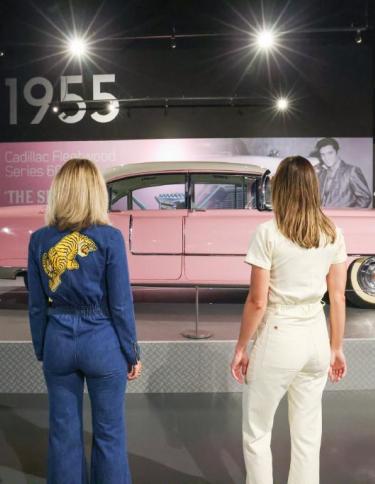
(285, 345)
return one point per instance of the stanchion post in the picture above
(196, 334)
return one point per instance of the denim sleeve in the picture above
(37, 302)
(120, 298)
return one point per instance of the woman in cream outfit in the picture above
(295, 257)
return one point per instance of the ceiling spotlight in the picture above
(358, 37)
(77, 47)
(55, 108)
(111, 106)
(265, 39)
(2, 53)
(282, 104)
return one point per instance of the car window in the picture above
(148, 192)
(222, 191)
(120, 205)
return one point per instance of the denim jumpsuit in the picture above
(83, 327)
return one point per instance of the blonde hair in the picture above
(78, 196)
(296, 204)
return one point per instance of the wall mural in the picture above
(344, 165)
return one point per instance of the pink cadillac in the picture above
(190, 224)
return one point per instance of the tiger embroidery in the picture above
(62, 256)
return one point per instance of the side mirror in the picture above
(263, 192)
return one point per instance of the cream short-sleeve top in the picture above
(297, 275)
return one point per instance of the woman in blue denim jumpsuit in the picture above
(83, 327)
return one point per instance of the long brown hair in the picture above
(78, 196)
(296, 204)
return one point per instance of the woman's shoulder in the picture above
(105, 232)
(102, 229)
(266, 232)
(44, 237)
(42, 232)
(339, 235)
(106, 229)
(339, 230)
(267, 228)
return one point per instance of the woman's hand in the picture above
(239, 364)
(135, 371)
(337, 369)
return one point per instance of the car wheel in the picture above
(360, 288)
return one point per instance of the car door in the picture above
(218, 227)
(150, 209)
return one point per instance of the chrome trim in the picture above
(361, 255)
(214, 255)
(150, 168)
(130, 233)
(261, 203)
(188, 188)
(184, 254)
(243, 255)
(211, 255)
(183, 234)
(365, 276)
(190, 285)
(157, 253)
(11, 272)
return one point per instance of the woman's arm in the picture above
(255, 305)
(120, 298)
(336, 283)
(37, 302)
(254, 309)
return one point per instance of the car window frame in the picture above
(188, 188)
(129, 194)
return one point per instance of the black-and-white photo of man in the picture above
(341, 184)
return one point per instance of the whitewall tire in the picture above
(360, 289)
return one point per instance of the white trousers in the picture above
(291, 354)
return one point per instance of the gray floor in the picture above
(162, 314)
(188, 438)
(195, 439)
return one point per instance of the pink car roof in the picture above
(132, 169)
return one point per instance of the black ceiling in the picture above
(22, 19)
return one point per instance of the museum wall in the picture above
(328, 81)
(330, 88)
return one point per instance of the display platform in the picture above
(172, 363)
